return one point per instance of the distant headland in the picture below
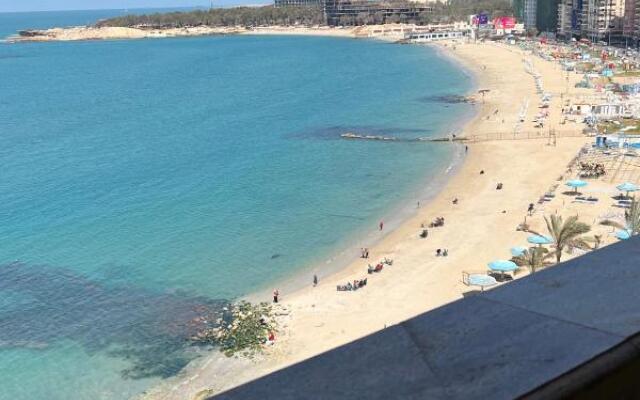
(300, 17)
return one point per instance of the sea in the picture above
(142, 181)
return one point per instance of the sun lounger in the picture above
(623, 204)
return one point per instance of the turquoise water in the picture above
(145, 181)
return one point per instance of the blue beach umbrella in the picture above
(481, 280)
(517, 251)
(539, 239)
(623, 235)
(502, 266)
(627, 187)
(576, 183)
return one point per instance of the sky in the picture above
(51, 5)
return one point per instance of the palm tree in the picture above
(533, 258)
(631, 219)
(566, 233)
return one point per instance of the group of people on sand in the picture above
(357, 284)
(379, 266)
(592, 170)
(364, 252)
(442, 252)
(439, 221)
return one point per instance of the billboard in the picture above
(504, 23)
(480, 19)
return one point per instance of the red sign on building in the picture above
(504, 23)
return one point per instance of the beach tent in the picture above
(627, 187)
(539, 239)
(576, 183)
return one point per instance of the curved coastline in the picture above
(321, 311)
(342, 261)
(425, 192)
(479, 228)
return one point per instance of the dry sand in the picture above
(479, 229)
(80, 33)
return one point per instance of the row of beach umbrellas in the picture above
(627, 187)
(502, 266)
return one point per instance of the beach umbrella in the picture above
(517, 251)
(627, 187)
(576, 183)
(539, 239)
(502, 266)
(481, 280)
(623, 235)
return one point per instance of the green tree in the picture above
(533, 258)
(566, 233)
(631, 217)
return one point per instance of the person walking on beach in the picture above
(275, 295)
(381, 225)
(315, 280)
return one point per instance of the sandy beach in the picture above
(83, 33)
(480, 228)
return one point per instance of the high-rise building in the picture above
(568, 15)
(530, 8)
(518, 9)
(547, 15)
(592, 19)
(629, 23)
(346, 12)
(602, 18)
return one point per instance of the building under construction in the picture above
(337, 11)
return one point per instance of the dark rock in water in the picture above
(445, 99)
(273, 257)
(29, 33)
(146, 328)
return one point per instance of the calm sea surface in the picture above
(141, 180)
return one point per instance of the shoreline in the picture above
(425, 192)
(344, 256)
(319, 319)
(92, 33)
(405, 212)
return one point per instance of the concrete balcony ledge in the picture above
(568, 331)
